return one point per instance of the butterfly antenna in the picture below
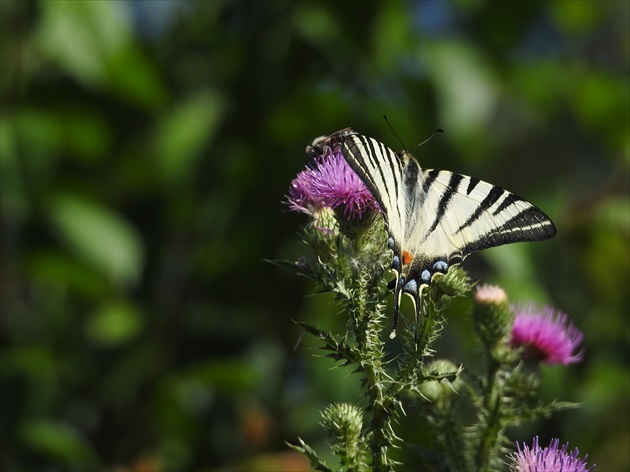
(392, 128)
(439, 130)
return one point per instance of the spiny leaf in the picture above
(311, 455)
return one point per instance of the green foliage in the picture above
(144, 151)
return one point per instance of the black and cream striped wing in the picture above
(382, 171)
(455, 214)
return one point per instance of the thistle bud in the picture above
(447, 380)
(344, 422)
(492, 315)
(455, 283)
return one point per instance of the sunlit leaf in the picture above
(98, 236)
(92, 41)
(466, 84)
(114, 323)
(81, 36)
(59, 442)
(182, 134)
(133, 76)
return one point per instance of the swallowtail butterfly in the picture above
(434, 218)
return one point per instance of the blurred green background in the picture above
(145, 149)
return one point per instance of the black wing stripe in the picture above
(390, 158)
(529, 225)
(431, 176)
(453, 185)
(410, 189)
(387, 155)
(472, 184)
(358, 162)
(507, 201)
(493, 195)
(396, 174)
(376, 157)
(368, 158)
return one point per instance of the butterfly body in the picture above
(434, 218)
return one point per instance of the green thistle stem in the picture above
(380, 424)
(409, 369)
(367, 329)
(492, 410)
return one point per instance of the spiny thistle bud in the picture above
(492, 316)
(447, 380)
(344, 422)
(455, 283)
(324, 220)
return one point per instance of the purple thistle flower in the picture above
(300, 196)
(549, 459)
(547, 335)
(330, 182)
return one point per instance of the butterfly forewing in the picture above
(462, 214)
(380, 169)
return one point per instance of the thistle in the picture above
(348, 256)
(546, 335)
(549, 459)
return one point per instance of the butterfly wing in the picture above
(461, 214)
(381, 170)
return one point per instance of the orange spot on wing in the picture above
(407, 257)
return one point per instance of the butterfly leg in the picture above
(414, 291)
(418, 305)
(398, 292)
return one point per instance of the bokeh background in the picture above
(146, 148)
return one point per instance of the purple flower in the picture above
(331, 183)
(549, 459)
(547, 335)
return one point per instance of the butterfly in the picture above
(434, 218)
